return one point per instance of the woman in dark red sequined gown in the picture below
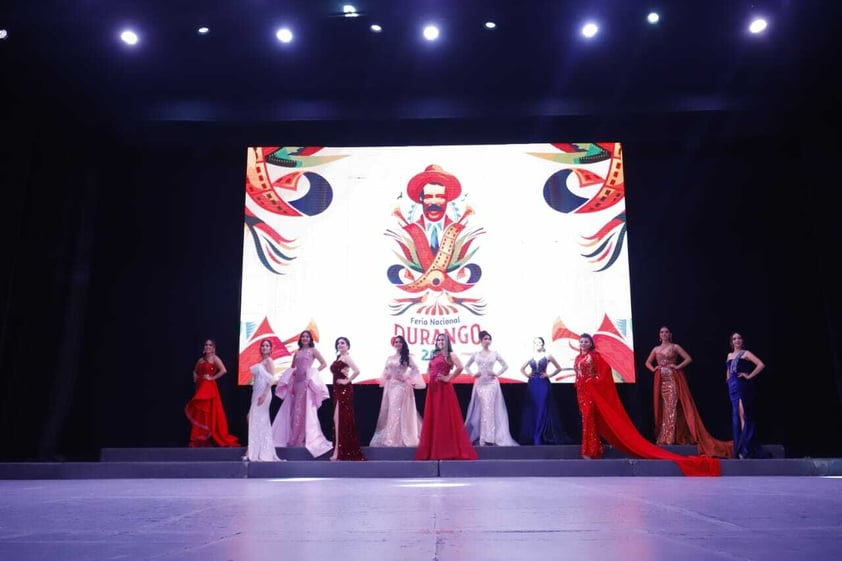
(204, 410)
(443, 434)
(603, 415)
(346, 441)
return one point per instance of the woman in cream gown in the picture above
(399, 423)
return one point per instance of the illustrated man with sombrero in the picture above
(434, 189)
(436, 248)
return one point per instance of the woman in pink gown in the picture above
(443, 434)
(344, 369)
(204, 410)
(302, 390)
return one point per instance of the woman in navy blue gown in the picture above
(741, 367)
(541, 422)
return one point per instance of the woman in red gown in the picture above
(603, 415)
(204, 410)
(346, 442)
(443, 434)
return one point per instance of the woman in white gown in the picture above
(487, 419)
(399, 423)
(260, 446)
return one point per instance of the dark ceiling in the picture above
(65, 56)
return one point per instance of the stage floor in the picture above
(443, 519)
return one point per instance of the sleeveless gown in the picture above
(677, 420)
(347, 441)
(487, 418)
(398, 423)
(541, 421)
(743, 390)
(205, 412)
(443, 435)
(297, 421)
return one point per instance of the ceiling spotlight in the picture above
(3, 34)
(376, 28)
(284, 35)
(349, 11)
(589, 29)
(203, 30)
(431, 32)
(490, 25)
(757, 25)
(653, 17)
(129, 37)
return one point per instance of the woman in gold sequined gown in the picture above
(677, 420)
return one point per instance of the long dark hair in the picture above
(310, 333)
(404, 349)
(336, 344)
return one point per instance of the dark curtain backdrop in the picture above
(122, 248)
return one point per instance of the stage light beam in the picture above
(129, 37)
(757, 25)
(590, 29)
(431, 32)
(284, 35)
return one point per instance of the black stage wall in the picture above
(122, 247)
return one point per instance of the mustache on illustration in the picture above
(437, 208)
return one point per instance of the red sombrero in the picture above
(434, 174)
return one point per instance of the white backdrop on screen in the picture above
(539, 248)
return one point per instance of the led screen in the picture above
(521, 240)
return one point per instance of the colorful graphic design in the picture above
(253, 336)
(283, 196)
(436, 248)
(372, 242)
(610, 342)
(607, 243)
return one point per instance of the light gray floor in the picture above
(581, 518)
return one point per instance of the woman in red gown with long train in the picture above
(204, 410)
(346, 442)
(443, 434)
(603, 415)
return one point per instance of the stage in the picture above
(497, 462)
(438, 518)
